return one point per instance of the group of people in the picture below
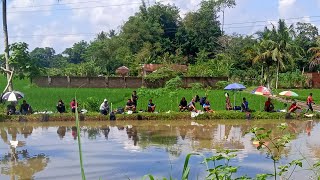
(25, 108)
(191, 106)
(132, 103)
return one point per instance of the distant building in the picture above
(149, 68)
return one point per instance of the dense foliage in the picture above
(158, 34)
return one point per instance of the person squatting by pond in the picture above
(61, 108)
(11, 108)
(130, 106)
(25, 108)
(151, 106)
(206, 107)
(268, 106)
(104, 107)
(73, 105)
(183, 105)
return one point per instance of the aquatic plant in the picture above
(79, 142)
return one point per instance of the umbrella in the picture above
(261, 90)
(12, 96)
(288, 93)
(235, 87)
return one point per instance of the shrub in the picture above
(222, 84)
(91, 104)
(196, 86)
(174, 83)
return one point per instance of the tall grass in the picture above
(42, 99)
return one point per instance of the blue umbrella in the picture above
(235, 87)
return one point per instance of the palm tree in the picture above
(315, 59)
(277, 48)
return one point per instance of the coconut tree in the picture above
(315, 59)
(277, 48)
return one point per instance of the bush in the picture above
(292, 80)
(222, 84)
(196, 86)
(174, 83)
(91, 104)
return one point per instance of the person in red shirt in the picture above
(310, 102)
(293, 107)
(73, 105)
(268, 106)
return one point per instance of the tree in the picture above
(43, 56)
(277, 48)
(7, 68)
(315, 58)
(76, 52)
(306, 38)
(201, 29)
(21, 61)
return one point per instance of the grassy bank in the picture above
(223, 115)
(42, 99)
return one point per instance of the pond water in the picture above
(132, 149)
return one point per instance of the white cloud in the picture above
(47, 24)
(287, 8)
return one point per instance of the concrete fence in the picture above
(118, 82)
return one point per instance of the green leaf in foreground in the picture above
(79, 142)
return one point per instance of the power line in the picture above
(263, 21)
(93, 34)
(74, 8)
(55, 4)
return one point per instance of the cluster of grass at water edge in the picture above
(224, 115)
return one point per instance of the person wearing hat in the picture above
(104, 107)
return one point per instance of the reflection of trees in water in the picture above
(93, 133)
(19, 163)
(157, 136)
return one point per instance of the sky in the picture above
(48, 23)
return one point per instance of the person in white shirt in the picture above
(104, 107)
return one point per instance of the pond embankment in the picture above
(152, 116)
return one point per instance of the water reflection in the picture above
(62, 131)
(18, 162)
(24, 159)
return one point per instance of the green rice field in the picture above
(45, 99)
